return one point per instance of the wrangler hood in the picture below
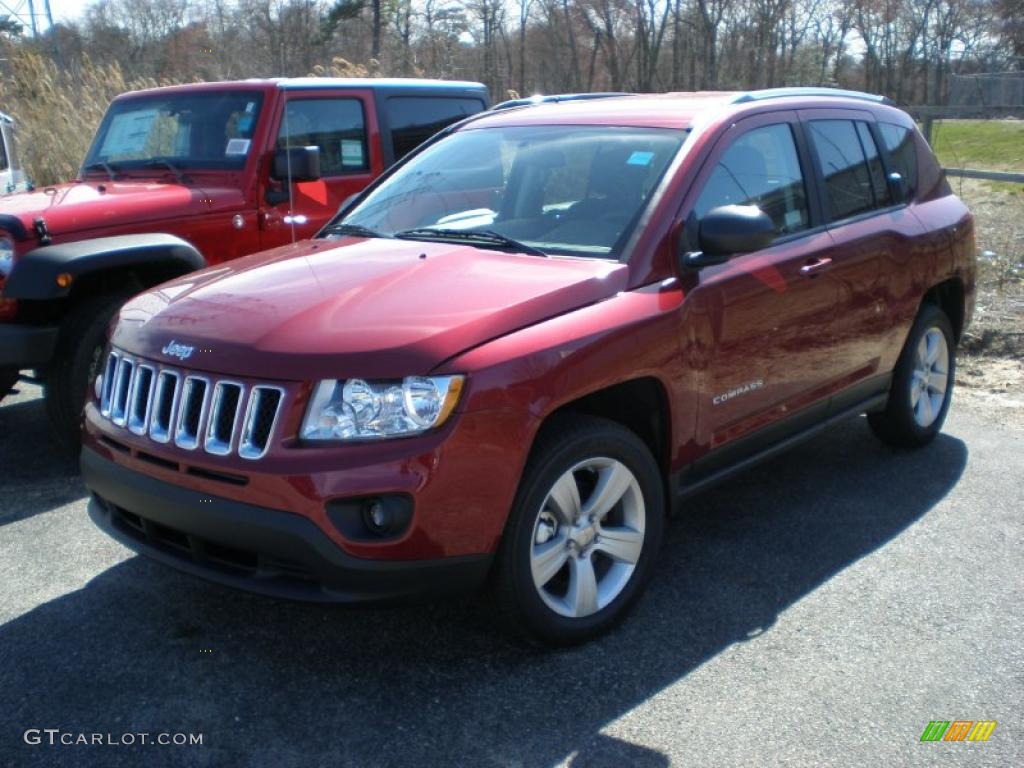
(71, 211)
(369, 308)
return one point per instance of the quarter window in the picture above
(414, 119)
(760, 168)
(337, 126)
(854, 177)
(899, 142)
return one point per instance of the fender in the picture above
(35, 273)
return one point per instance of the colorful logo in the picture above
(958, 730)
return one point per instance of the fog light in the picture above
(371, 518)
(378, 519)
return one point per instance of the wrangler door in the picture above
(343, 124)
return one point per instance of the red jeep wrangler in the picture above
(208, 164)
(524, 344)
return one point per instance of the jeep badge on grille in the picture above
(180, 351)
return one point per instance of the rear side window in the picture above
(760, 168)
(337, 126)
(414, 119)
(899, 142)
(850, 183)
(879, 187)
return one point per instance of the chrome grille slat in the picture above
(260, 419)
(195, 399)
(223, 422)
(168, 405)
(109, 377)
(122, 391)
(141, 399)
(165, 406)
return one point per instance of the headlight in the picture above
(368, 410)
(6, 256)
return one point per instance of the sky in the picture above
(63, 10)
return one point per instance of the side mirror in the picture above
(299, 163)
(728, 230)
(897, 187)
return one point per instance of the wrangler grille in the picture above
(192, 410)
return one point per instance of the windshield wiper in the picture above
(482, 237)
(99, 165)
(164, 162)
(356, 230)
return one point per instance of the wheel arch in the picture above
(950, 297)
(640, 404)
(71, 270)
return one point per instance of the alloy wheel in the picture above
(587, 537)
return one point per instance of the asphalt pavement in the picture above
(820, 610)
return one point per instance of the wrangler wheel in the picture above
(8, 378)
(76, 363)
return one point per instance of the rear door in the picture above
(766, 320)
(343, 124)
(874, 238)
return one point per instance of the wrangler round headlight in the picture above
(357, 409)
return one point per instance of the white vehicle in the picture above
(12, 178)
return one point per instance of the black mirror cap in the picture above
(732, 229)
(897, 187)
(303, 163)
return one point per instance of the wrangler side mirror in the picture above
(726, 231)
(297, 163)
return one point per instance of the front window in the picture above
(186, 130)
(573, 191)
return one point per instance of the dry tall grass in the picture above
(56, 112)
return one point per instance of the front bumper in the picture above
(26, 346)
(255, 548)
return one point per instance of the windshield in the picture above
(575, 191)
(188, 130)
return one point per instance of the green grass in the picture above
(989, 145)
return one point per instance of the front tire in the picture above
(583, 534)
(922, 383)
(76, 363)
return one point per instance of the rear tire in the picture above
(583, 534)
(76, 363)
(922, 384)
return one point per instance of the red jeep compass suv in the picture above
(513, 353)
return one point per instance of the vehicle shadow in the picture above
(34, 476)
(143, 649)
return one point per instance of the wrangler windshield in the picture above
(559, 190)
(181, 130)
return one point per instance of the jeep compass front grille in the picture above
(190, 409)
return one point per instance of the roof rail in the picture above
(782, 93)
(529, 101)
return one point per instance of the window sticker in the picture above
(237, 147)
(245, 124)
(250, 107)
(128, 133)
(640, 158)
(352, 152)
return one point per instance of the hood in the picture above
(71, 209)
(369, 308)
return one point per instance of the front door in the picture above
(766, 320)
(343, 124)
